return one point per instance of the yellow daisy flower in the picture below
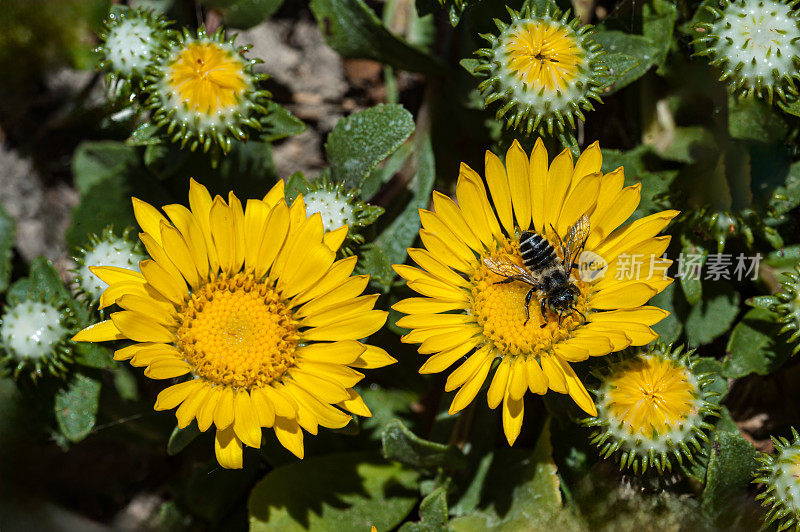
(251, 304)
(467, 308)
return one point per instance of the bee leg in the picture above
(579, 314)
(543, 309)
(528, 297)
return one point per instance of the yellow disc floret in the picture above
(238, 332)
(651, 395)
(543, 54)
(207, 77)
(651, 407)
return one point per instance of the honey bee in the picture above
(544, 271)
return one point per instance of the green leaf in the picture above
(402, 445)
(669, 329)
(340, 491)
(374, 262)
(76, 407)
(787, 196)
(42, 284)
(296, 184)
(279, 123)
(401, 233)
(658, 23)
(93, 355)
(730, 469)
(713, 315)
(432, 512)
(386, 404)
(180, 438)
(245, 14)
(7, 236)
(521, 490)
(362, 140)
(351, 28)
(753, 119)
(628, 58)
(125, 383)
(756, 346)
(94, 162)
(691, 280)
(719, 384)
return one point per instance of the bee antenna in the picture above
(579, 314)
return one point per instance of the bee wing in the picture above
(505, 268)
(575, 240)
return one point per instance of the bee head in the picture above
(563, 300)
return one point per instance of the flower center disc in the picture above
(207, 78)
(238, 332)
(541, 54)
(500, 310)
(651, 395)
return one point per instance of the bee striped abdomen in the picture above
(536, 251)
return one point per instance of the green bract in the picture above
(204, 93)
(780, 474)
(652, 407)
(105, 249)
(132, 40)
(756, 45)
(543, 68)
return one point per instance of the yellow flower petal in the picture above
(161, 313)
(265, 410)
(187, 411)
(373, 357)
(352, 328)
(443, 342)
(284, 405)
(474, 204)
(148, 218)
(451, 216)
(331, 391)
(497, 180)
(305, 236)
(499, 383)
(289, 434)
(513, 411)
(245, 420)
(160, 256)
(334, 239)
(344, 352)
(470, 389)
(200, 203)
(338, 373)
(644, 315)
(462, 373)
(327, 415)
(576, 389)
(439, 270)
(555, 377)
(183, 219)
(179, 254)
(205, 414)
(517, 383)
(168, 368)
(346, 291)
(228, 449)
(425, 305)
(628, 294)
(338, 273)
(538, 176)
(275, 194)
(447, 357)
(171, 397)
(438, 290)
(224, 413)
(589, 161)
(105, 331)
(433, 321)
(164, 283)
(275, 230)
(223, 233)
(519, 185)
(445, 242)
(113, 274)
(558, 181)
(237, 214)
(355, 405)
(537, 380)
(139, 328)
(579, 201)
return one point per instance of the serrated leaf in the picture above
(401, 233)
(719, 384)
(787, 196)
(362, 140)
(295, 185)
(658, 23)
(753, 119)
(244, 14)
(7, 235)
(42, 284)
(76, 407)
(521, 490)
(279, 123)
(714, 315)
(125, 383)
(94, 162)
(402, 445)
(373, 261)
(180, 438)
(432, 512)
(730, 469)
(93, 355)
(756, 346)
(351, 28)
(341, 491)
(628, 58)
(670, 328)
(691, 280)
